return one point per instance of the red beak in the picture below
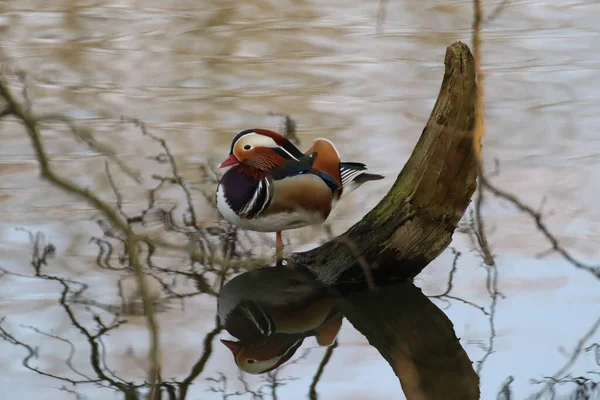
(235, 347)
(231, 160)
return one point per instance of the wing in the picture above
(292, 167)
(302, 166)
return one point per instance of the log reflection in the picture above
(272, 310)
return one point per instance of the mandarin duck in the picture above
(272, 186)
(271, 311)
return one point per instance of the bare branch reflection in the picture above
(446, 294)
(584, 386)
(477, 232)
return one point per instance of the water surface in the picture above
(196, 74)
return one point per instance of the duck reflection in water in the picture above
(271, 311)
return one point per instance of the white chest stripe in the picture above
(251, 204)
(268, 188)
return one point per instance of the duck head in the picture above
(263, 357)
(270, 311)
(261, 149)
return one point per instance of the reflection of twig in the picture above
(596, 348)
(272, 379)
(585, 388)
(479, 231)
(25, 89)
(69, 360)
(72, 295)
(174, 169)
(199, 366)
(87, 137)
(33, 130)
(41, 251)
(78, 396)
(151, 321)
(225, 394)
(449, 286)
(105, 251)
(33, 353)
(271, 382)
(477, 223)
(198, 235)
(96, 353)
(312, 391)
(483, 182)
(491, 284)
(256, 394)
(80, 133)
(494, 14)
(505, 393)
(104, 363)
(289, 127)
(479, 129)
(207, 270)
(537, 217)
(579, 347)
(117, 193)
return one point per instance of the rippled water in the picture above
(198, 72)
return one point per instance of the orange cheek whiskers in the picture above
(266, 163)
(266, 160)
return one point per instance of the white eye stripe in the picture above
(255, 140)
(288, 153)
(258, 366)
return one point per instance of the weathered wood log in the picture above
(410, 227)
(415, 221)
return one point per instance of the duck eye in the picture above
(247, 147)
(250, 361)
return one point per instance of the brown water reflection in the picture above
(198, 73)
(271, 311)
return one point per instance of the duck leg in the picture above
(278, 247)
